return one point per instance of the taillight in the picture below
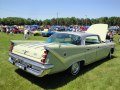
(11, 47)
(44, 56)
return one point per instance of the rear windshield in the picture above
(64, 38)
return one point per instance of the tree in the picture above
(73, 21)
(53, 21)
(40, 22)
(47, 22)
(111, 21)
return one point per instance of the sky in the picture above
(48, 9)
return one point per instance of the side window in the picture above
(92, 40)
(76, 40)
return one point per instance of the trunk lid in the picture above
(34, 51)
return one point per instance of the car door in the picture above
(91, 49)
(90, 53)
(102, 50)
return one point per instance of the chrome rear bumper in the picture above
(30, 66)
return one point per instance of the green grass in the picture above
(101, 75)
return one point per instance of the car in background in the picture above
(114, 32)
(83, 28)
(36, 32)
(47, 32)
(15, 30)
(118, 32)
(58, 28)
(52, 30)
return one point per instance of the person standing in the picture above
(7, 30)
(109, 36)
(26, 34)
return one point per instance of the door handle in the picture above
(64, 54)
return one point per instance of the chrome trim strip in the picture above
(31, 62)
(33, 71)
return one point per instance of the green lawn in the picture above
(101, 75)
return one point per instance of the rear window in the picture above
(64, 38)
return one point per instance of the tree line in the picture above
(111, 21)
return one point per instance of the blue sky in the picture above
(47, 9)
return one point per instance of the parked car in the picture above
(48, 32)
(62, 51)
(36, 32)
(16, 30)
(118, 32)
(58, 28)
(52, 30)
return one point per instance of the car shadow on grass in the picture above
(59, 79)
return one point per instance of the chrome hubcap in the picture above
(75, 68)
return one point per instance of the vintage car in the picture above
(16, 30)
(52, 30)
(61, 51)
(48, 32)
(36, 32)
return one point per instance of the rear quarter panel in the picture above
(64, 56)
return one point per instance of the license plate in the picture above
(21, 64)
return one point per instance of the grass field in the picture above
(101, 75)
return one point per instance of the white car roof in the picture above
(82, 34)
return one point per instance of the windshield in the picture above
(64, 38)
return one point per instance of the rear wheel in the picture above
(75, 68)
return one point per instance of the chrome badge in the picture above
(25, 52)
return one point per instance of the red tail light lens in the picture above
(11, 47)
(44, 56)
(43, 61)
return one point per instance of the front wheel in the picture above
(75, 68)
